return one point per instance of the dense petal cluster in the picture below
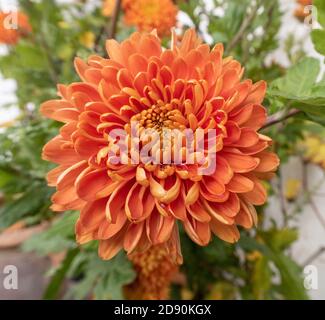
(137, 206)
(13, 26)
(146, 15)
(155, 271)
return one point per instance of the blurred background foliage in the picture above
(259, 266)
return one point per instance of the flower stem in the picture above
(113, 26)
(272, 121)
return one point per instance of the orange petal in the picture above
(212, 208)
(93, 214)
(53, 175)
(65, 197)
(228, 208)
(257, 93)
(248, 138)
(91, 183)
(242, 114)
(68, 176)
(114, 51)
(213, 186)
(247, 216)
(257, 118)
(110, 248)
(268, 161)
(258, 195)
(108, 230)
(139, 203)
(60, 151)
(159, 228)
(240, 184)
(132, 236)
(197, 211)
(240, 162)
(192, 194)
(228, 233)
(198, 231)
(177, 208)
(116, 201)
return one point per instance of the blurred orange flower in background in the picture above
(12, 34)
(137, 206)
(300, 12)
(146, 15)
(108, 7)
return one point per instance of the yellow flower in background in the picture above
(319, 158)
(146, 15)
(87, 39)
(292, 188)
(63, 24)
(108, 7)
(311, 146)
(313, 149)
(186, 294)
(254, 255)
(222, 291)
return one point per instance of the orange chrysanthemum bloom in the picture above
(108, 7)
(300, 11)
(151, 14)
(155, 271)
(305, 2)
(12, 34)
(134, 206)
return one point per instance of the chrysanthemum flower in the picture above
(12, 34)
(108, 7)
(305, 2)
(151, 14)
(300, 11)
(155, 272)
(136, 206)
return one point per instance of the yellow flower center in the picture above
(160, 116)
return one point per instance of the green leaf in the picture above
(291, 277)
(31, 57)
(299, 80)
(318, 37)
(5, 177)
(60, 236)
(105, 279)
(261, 278)
(291, 274)
(28, 204)
(320, 6)
(280, 239)
(298, 89)
(291, 286)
